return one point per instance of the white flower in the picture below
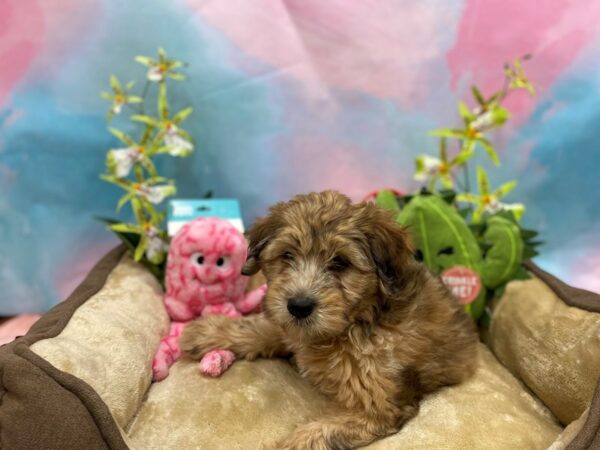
(495, 206)
(483, 121)
(123, 159)
(178, 145)
(117, 106)
(156, 194)
(427, 166)
(156, 73)
(156, 244)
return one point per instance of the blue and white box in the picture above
(181, 211)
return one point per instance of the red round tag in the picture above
(463, 282)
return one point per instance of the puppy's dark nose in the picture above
(300, 307)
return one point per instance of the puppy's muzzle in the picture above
(301, 307)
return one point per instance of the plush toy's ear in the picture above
(258, 237)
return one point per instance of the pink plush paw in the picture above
(216, 362)
(252, 301)
(160, 367)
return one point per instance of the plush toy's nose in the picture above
(301, 307)
(207, 275)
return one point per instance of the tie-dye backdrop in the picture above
(289, 96)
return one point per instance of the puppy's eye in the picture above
(287, 256)
(338, 264)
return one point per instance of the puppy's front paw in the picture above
(206, 334)
(308, 436)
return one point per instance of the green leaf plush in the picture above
(443, 238)
(440, 234)
(505, 254)
(387, 199)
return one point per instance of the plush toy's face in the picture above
(212, 251)
(205, 260)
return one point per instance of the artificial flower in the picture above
(488, 201)
(159, 69)
(119, 96)
(434, 169)
(121, 160)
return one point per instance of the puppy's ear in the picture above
(258, 237)
(391, 252)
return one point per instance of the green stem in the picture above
(467, 186)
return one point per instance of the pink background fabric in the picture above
(289, 96)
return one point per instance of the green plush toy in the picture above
(443, 240)
(482, 245)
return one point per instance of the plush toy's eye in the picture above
(222, 262)
(197, 258)
(338, 264)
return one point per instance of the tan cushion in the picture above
(553, 348)
(257, 402)
(110, 340)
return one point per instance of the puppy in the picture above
(369, 326)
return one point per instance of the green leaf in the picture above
(535, 243)
(489, 149)
(443, 150)
(145, 60)
(529, 252)
(134, 99)
(528, 234)
(448, 132)
(107, 96)
(184, 134)
(387, 199)
(462, 157)
(499, 291)
(124, 184)
(124, 199)
(182, 115)
(478, 213)
(521, 274)
(482, 181)
(464, 212)
(141, 248)
(122, 136)
(499, 115)
(465, 112)
(130, 85)
(126, 228)
(477, 94)
(176, 76)
(467, 197)
(153, 122)
(114, 83)
(503, 190)
(447, 181)
(149, 166)
(449, 195)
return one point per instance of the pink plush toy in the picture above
(204, 277)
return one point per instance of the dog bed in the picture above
(81, 379)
